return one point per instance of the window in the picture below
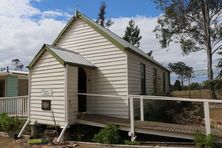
(164, 82)
(143, 78)
(155, 81)
(46, 105)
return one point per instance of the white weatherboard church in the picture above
(89, 59)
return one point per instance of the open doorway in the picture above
(82, 88)
(2, 88)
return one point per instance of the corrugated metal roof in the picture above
(70, 57)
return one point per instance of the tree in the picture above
(101, 16)
(194, 24)
(150, 53)
(182, 70)
(18, 65)
(177, 85)
(219, 65)
(132, 34)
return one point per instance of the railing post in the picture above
(132, 124)
(207, 117)
(141, 109)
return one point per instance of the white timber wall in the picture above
(47, 73)
(134, 81)
(110, 77)
(72, 90)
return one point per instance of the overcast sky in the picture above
(25, 25)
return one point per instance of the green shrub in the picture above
(127, 142)
(202, 140)
(9, 124)
(108, 135)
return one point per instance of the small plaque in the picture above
(46, 92)
(46, 104)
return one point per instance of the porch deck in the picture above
(148, 127)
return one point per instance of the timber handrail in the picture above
(161, 98)
(15, 97)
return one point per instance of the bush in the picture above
(9, 124)
(202, 140)
(127, 142)
(195, 86)
(108, 135)
(213, 84)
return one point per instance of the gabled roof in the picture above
(63, 56)
(112, 37)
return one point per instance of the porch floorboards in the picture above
(148, 127)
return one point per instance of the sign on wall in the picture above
(46, 92)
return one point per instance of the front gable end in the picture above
(43, 53)
(81, 34)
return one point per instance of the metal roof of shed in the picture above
(64, 56)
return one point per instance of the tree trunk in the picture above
(206, 23)
(182, 83)
(209, 64)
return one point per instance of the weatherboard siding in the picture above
(110, 76)
(47, 73)
(134, 81)
(72, 90)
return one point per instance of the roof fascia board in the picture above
(63, 30)
(45, 48)
(80, 65)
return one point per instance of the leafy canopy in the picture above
(101, 16)
(132, 34)
(181, 69)
(194, 24)
(185, 22)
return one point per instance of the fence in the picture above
(14, 106)
(202, 93)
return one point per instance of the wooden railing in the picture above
(131, 98)
(14, 106)
(162, 98)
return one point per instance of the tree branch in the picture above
(219, 47)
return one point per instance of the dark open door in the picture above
(2, 88)
(82, 87)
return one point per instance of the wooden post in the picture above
(132, 126)
(207, 117)
(141, 109)
(34, 132)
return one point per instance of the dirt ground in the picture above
(9, 143)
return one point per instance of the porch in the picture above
(13, 83)
(14, 106)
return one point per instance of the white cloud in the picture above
(49, 14)
(149, 42)
(24, 29)
(17, 8)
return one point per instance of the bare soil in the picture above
(10, 143)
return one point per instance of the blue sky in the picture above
(115, 8)
(35, 22)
